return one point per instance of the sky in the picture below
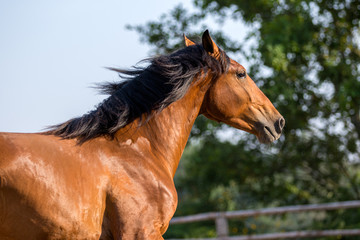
(52, 52)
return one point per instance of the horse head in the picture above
(234, 98)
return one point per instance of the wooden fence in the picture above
(222, 227)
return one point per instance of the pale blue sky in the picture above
(51, 52)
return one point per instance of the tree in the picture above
(307, 61)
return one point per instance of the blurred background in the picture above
(303, 54)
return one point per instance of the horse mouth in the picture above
(267, 135)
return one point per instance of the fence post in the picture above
(222, 227)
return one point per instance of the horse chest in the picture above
(140, 203)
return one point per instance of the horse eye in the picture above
(241, 75)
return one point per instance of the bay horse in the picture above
(109, 173)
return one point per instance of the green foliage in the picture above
(306, 59)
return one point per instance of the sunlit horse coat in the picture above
(109, 174)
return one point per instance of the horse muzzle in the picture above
(269, 132)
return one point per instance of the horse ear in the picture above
(210, 46)
(188, 42)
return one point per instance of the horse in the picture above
(109, 173)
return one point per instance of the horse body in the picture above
(120, 187)
(67, 195)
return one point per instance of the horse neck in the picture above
(167, 132)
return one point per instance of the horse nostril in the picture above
(282, 123)
(279, 125)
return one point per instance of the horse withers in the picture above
(109, 173)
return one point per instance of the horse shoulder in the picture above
(59, 191)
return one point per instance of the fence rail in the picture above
(222, 228)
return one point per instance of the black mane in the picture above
(142, 92)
